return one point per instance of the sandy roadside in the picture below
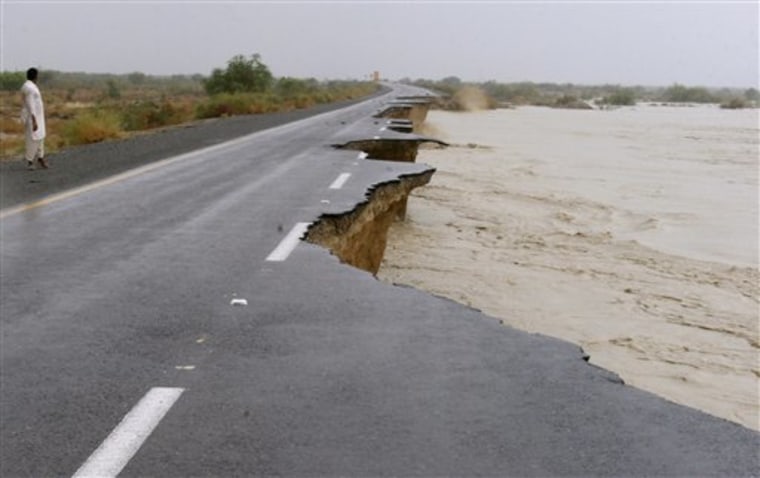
(483, 233)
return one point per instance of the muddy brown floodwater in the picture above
(632, 233)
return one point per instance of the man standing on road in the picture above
(33, 117)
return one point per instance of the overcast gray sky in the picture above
(629, 43)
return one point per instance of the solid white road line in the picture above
(338, 183)
(286, 246)
(124, 441)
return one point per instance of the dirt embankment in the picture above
(414, 112)
(358, 237)
(398, 150)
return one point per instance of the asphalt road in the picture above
(117, 316)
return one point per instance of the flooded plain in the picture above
(631, 232)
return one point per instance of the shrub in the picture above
(682, 94)
(150, 114)
(734, 104)
(516, 93)
(12, 80)
(570, 102)
(92, 126)
(227, 104)
(241, 75)
(324, 97)
(565, 101)
(231, 104)
(303, 101)
(622, 97)
(289, 87)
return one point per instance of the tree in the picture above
(242, 75)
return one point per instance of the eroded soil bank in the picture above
(358, 237)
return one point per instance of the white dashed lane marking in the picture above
(286, 246)
(128, 436)
(340, 181)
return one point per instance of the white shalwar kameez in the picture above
(35, 148)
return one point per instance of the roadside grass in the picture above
(11, 146)
(232, 104)
(150, 114)
(11, 126)
(92, 126)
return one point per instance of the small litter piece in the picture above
(185, 367)
(239, 302)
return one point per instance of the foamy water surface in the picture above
(689, 174)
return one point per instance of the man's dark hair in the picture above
(31, 74)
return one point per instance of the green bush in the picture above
(682, 94)
(622, 97)
(242, 75)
